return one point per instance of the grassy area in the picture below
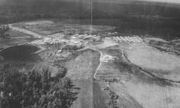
(108, 71)
(83, 66)
(20, 53)
(124, 99)
(85, 96)
(81, 70)
(100, 99)
(148, 57)
(15, 38)
(139, 94)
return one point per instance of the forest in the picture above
(35, 89)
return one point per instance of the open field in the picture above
(148, 95)
(153, 59)
(81, 70)
(125, 99)
(91, 95)
(108, 71)
(15, 38)
(100, 98)
(83, 66)
(85, 96)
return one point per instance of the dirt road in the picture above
(22, 30)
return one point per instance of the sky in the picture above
(111, 1)
(2, 1)
(166, 1)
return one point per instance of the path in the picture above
(98, 67)
(36, 35)
(101, 54)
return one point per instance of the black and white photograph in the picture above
(89, 53)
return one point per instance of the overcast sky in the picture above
(111, 1)
(167, 1)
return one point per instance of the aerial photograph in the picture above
(89, 53)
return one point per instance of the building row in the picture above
(127, 39)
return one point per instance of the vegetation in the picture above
(3, 31)
(20, 53)
(34, 89)
(113, 103)
(171, 47)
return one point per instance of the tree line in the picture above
(35, 89)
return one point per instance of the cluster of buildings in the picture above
(87, 37)
(49, 40)
(76, 39)
(107, 58)
(57, 40)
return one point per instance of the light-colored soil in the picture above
(153, 59)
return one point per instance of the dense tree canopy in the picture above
(35, 90)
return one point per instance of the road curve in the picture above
(101, 54)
